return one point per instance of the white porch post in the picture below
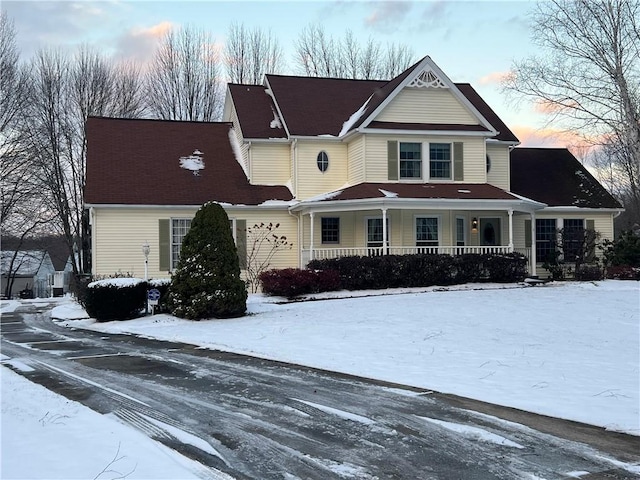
(385, 246)
(510, 230)
(534, 260)
(311, 216)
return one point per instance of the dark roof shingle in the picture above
(256, 112)
(555, 177)
(137, 162)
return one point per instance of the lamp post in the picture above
(145, 250)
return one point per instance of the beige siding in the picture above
(270, 163)
(376, 155)
(119, 234)
(356, 154)
(311, 181)
(498, 174)
(426, 105)
(244, 148)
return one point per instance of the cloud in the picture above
(388, 16)
(139, 43)
(494, 78)
(551, 138)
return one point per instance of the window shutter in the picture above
(591, 252)
(392, 160)
(458, 161)
(241, 242)
(164, 241)
(527, 233)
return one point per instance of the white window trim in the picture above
(423, 174)
(366, 229)
(172, 264)
(415, 225)
(339, 231)
(428, 166)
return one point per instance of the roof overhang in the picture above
(325, 206)
(269, 205)
(393, 131)
(573, 209)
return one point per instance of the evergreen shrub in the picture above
(115, 299)
(206, 282)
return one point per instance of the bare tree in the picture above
(249, 54)
(318, 54)
(588, 77)
(64, 92)
(183, 81)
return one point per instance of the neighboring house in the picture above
(26, 270)
(345, 167)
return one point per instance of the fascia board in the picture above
(320, 138)
(415, 203)
(284, 205)
(574, 209)
(392, 131)
(269, 92)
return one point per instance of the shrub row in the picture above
(120, 299)
(623, 272)
(292, 282)
(395, 271)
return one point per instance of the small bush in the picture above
(623, 272)
(113, 299)
(506, 268)
(291, 282)
(588, 273)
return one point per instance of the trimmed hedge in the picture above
(107, 300)
(623, 272)
(423, 270)
(291, 282)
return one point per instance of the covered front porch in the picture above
(392, 226)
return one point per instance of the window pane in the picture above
(322, 161)
(374, 232)
(410, 160)
(426, 231)
(460, 232)
(330, 230)
(440, 160)
(573, 238)
(179, 228)
(545, 238)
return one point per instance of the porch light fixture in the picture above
(474, 225)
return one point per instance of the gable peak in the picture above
(427, 78)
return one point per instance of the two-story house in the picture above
(344, 167)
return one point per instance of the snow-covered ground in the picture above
(566, 350)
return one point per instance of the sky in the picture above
(471, 41)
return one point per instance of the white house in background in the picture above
(344, 167)
(26, 270)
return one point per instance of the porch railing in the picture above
(326, 253)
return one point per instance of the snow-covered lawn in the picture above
(568, 350)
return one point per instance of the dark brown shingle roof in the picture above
(555, 177)
(462, 191)
(137, 162)
(256, 112)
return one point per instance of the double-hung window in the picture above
(330, 230)
(545, 238)
(440, 161)
(374, 232)
(179, 228)
(410, 160)
(573, 237)
(427, 231)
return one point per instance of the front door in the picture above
(490, 232)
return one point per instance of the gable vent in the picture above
(427, 79)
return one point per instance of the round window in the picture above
(323, 161)
(488, 164)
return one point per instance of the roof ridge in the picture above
(159, 120)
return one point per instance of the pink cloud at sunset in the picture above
(139, 43)
(494, 78)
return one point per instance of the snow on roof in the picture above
(346, 126)
(235, 146)
(324, 196)
(193, 162)
(275, 123)
(388, 194)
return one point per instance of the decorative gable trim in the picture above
(427, 79)
(428, 66)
